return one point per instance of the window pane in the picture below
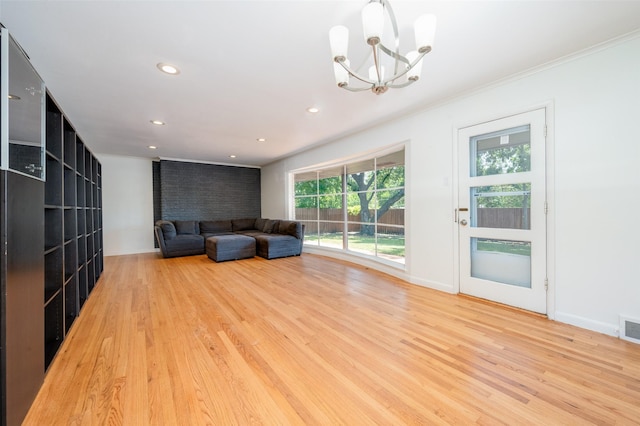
(331, 235)
(391, 207)
(503, 261)
(501, 206)
(310, 232)
(390, 171)
(507, 151)
(331, 208)
(306, 183)
(355, 203)
(390, 242)
(330, 181)
(306, 208)
(361, 238)
(360, 176)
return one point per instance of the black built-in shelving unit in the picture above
(73, 227)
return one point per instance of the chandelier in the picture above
(406, 68)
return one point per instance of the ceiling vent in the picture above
(630, 329)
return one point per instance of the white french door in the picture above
(501, 212)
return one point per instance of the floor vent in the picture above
(630, 329)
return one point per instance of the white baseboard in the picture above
(447, 288)
(589, 324)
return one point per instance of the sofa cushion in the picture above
(187, 227)
(243, 224)
(184, 245)
(168, 229)
(290, 227)
(259, 223)
(271, 246)
(215, 226)
(270, 226)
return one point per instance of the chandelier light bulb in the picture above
(341, 74)
(339, 40)
(373, 74)
(425, 30)
(373, 22)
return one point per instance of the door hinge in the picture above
(546, 207)
(545, 130)
(546, 284)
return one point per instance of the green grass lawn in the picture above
(387, 244)
(509, 247)
(393, 245)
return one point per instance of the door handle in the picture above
(463, 222)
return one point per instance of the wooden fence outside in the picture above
(511, 218)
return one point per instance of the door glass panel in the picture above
(503, 152)
(503, 261)
(501, 206)
(26, 101)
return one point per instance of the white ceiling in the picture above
(250, 69)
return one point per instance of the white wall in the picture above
(127, 204)
(594, 101)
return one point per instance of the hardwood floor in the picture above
(309, 340)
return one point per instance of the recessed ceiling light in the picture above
(232, 156)
(168, 68)
(313, 110)
(14, 97)
(157, 122)
(261, 139)
(152, 147)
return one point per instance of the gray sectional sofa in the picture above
(273, 238)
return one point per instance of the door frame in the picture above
(550, 193)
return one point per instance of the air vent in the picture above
(630, 329)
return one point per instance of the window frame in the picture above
(314, 227)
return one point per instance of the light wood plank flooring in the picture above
(309, 340)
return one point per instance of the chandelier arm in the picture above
(352, 73)
(394, 55)
(396, 34)
(355, 89)
(397, 76)
(400, 86)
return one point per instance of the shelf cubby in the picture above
(81, 222)
(52, 228)
(52, 273)
(70, 259)
(53, 184)
(70, 302)
(54, 129)
(69, 145)
(69, 187)
(83, 293)
(53, 327)
(70, 229)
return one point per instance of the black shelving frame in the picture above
(73, 227)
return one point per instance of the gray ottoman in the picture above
(230, 247)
